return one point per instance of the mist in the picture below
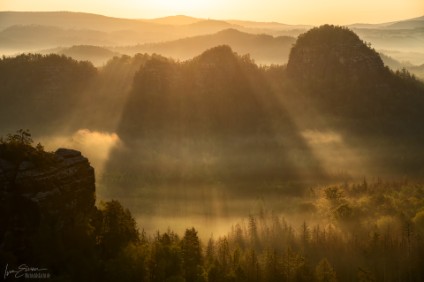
(284, 148)
(94, 145)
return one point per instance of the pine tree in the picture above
(324, 272)
(192, 256)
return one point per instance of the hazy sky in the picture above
(285, 11)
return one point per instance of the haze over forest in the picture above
(285, 146)
(98, 38)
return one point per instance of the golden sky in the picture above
(285, 11)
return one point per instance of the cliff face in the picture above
(70, 181)
(34, 197)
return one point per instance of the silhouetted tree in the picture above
(324, 272)
(192, 256)
(116, 229)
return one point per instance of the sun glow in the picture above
(285, 11)
(182, 6)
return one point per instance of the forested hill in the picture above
(214, 117)
(222, 115)
(344, 79)
(41, 92)
(335, 97)
(331, 55)
(333, 65)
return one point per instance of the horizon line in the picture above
(200, 18)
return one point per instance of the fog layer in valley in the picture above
(244, 151)
(209, 140)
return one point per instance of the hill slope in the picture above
(21, 29)
(32, 31)
(227, 124)
(263, 48)
(204, 114)
(97, 55)
(376, 109)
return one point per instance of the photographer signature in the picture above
(21, 270)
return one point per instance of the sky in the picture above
(313, 12)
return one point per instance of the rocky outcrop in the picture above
(58, 194)
(69, 182)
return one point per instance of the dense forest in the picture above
(328, 148)
(351, 242)
(356, 232)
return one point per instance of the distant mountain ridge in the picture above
(67, 19)
(264, 49)
(411, 23)
(34, 31)
(76, 20)
(176, 20)
(417, 22)
(396, 65)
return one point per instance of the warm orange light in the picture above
(189, 7)
(285, 11)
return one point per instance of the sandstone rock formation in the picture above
(59, 194)
(70, 181)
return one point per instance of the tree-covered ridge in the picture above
(37, 89)
(250, 118)
(217, 109)
(217, 99)
(333, 64)
(335, 74)
(212, 90)
(329, 56)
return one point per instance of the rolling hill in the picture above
(264, 49)
(19, 30)
(34, 31)
(95, 54)
(408, 24)
(176, 20)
